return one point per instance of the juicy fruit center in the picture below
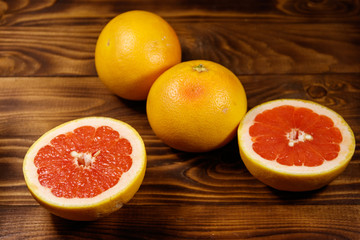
(84, 159)
(83, 163)
(295, 136)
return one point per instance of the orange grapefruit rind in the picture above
(88, 209)
(295, 178)
(132, 50)
(196, 106)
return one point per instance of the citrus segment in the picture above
(84, 163)
(298, 142)
(86, 168)
(295, 145)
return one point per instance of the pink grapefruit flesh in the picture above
(295, 136)
(83, 163)
(86, 168)
(295, 145)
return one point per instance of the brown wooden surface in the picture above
(278, 49)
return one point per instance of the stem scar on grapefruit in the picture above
(196, 106)
(295, 145)
(86, 168)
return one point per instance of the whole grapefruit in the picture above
(196, 106)
(132, 50)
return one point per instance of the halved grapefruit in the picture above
(295, 145)
(86, 168)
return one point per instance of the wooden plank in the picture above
(177, 222)
(45, 38)
(252, 49)
(66, 12)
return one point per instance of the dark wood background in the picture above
(308, 49)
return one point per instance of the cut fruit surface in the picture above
(295, 145)
(86, 168)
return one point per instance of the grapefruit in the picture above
(295, 145)
(132, 50)
(196, 106)
(86, 168)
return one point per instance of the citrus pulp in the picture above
(196, 106)
(295, 145)
(132, 50)
(86, 168)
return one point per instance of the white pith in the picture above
(296, 136)
(246, 143)
(84, 159)
(125, 131)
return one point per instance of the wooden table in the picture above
(278, 49)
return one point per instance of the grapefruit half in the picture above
(295, 145)
(86, 168)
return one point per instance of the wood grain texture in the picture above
(214, 187)
(160, 222)
(307, 49)
(251, 49)
(52, 39)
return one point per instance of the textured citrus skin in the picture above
(85, 210)
(196, 106)
(132, 50)
(287, 180)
